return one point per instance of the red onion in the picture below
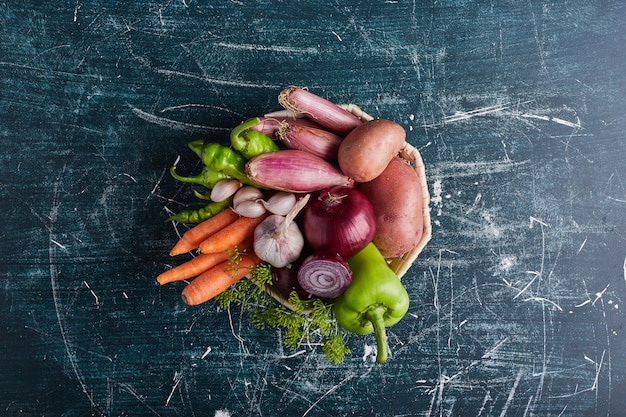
(340, 220)
(325, 276)
(324, 112)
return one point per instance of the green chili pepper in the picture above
(249, 142)
(208, 177)
(221, 158)
(376, 298)
(199, 215)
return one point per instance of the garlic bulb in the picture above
(250, 208)
(280, 203)
(247, 193)
(224, 189)
(278, 240)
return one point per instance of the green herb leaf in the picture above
(310, 323)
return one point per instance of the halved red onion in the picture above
(325, 276)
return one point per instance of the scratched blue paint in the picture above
(516, 107)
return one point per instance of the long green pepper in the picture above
(249, 142)
(207, 178)
(199, 215)
(221, 158)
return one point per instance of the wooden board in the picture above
(519, 113)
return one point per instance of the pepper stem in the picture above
(196, 179)
(376, 316)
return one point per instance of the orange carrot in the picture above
(192, 237)
(217, 279)
(200, 263)
(231, 235)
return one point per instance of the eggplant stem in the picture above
(376, 316)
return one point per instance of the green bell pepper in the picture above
(249, 142)
(374, 299)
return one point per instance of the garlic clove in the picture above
(247, 193)
(250, 208)
(280, 203)
(224, 189)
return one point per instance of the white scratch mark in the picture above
(343, 381)
(625, 269)
(206, 352)
(582, 245)
(173, 124)
(598, 366)
(178, 376)
(436, 198)
(54, 284)
(556, 120)
(293, 355)
(542, 300)
(139, 398)
(498, 345)
(268, 48)
(485, 401)
(215, 80)
(241, 340)
(58, 244)
(131, 177)
(534, 220)
(523, 290)
(76, 8)
(462, 115)
(207, 106)
(95, 296)
(509, 400)
(599, 295)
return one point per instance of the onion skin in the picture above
(340, 220)
(325, 276)
(294, 171)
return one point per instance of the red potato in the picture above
(367, 149)
(396, 195)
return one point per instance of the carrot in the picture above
(200, 263)
(192, 237)
(232, 234)
(217, 279)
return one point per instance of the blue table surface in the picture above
(517, 108)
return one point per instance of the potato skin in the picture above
(367, 149)
(396, 195)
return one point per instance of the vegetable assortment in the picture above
(299, 205)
